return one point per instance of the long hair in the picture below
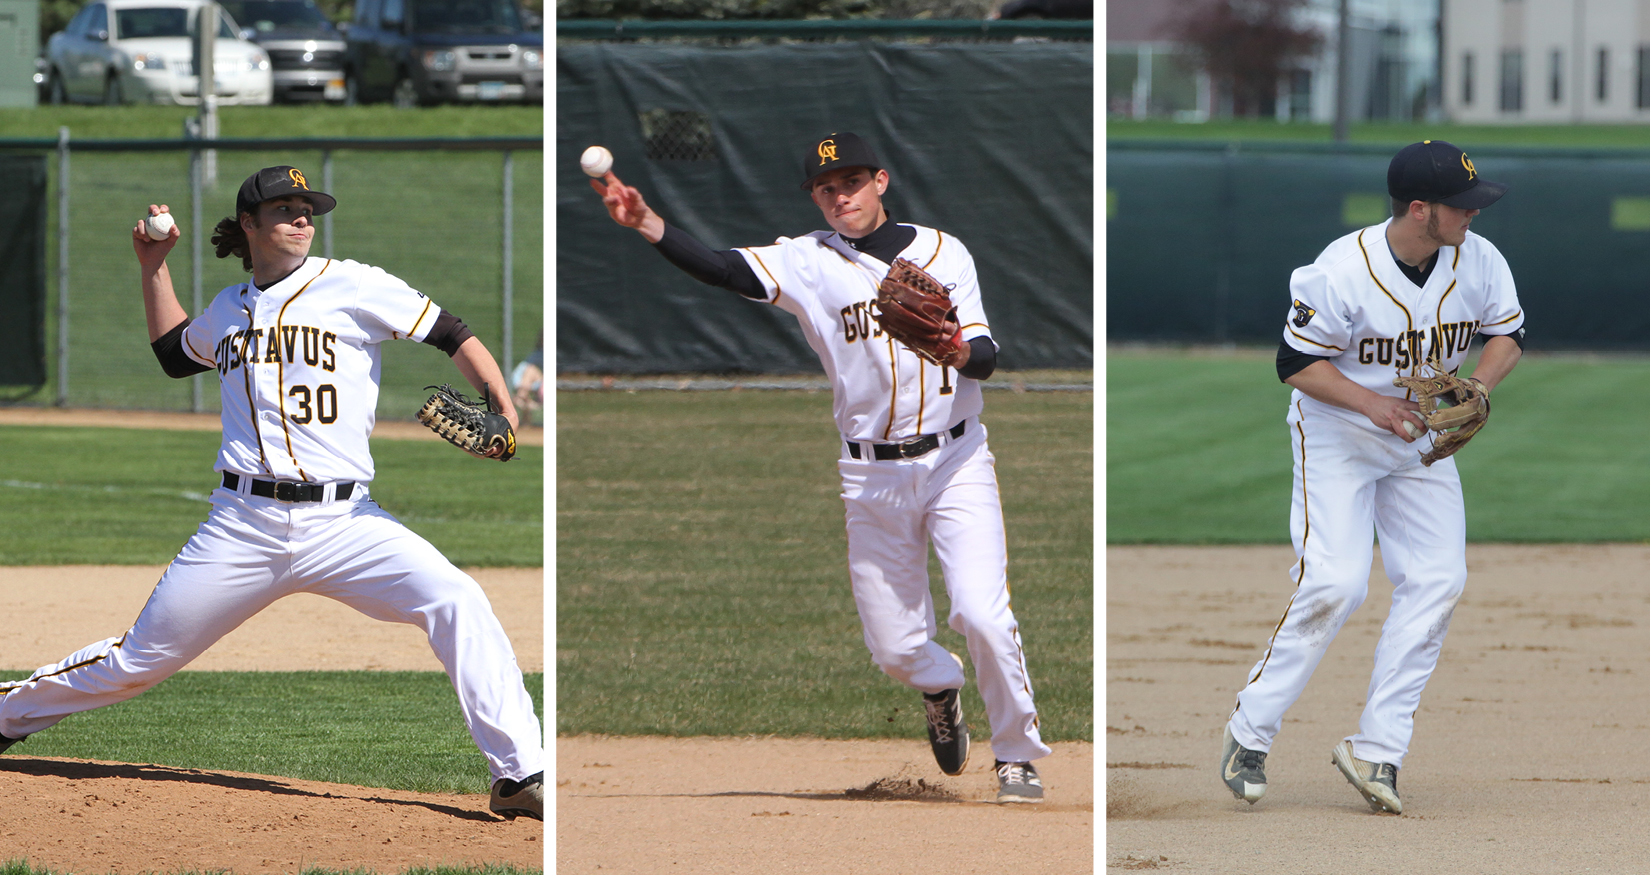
(231, 239)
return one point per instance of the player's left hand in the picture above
(961, 357)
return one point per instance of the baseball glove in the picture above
(913, 308)
(475, 429)
(1454, 408)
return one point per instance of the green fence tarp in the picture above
(1201, 240)
(990, 142)
(23, 270)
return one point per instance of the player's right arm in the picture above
(160, 303)
(726, 269)
(1322, 381)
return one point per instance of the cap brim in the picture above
(1479, 197)
(324, 203)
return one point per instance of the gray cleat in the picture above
(1018, 783)
(1377, 782)
(524, 798)
(1242, 769)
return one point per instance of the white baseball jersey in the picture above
(881, 391)
(1354, 305)
(299, 366)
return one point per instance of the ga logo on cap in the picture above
(298, 178)
(828, 151)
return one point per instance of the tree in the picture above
(1247, 45)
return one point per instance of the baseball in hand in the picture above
(158, 226)
(1412, 429)
(596, 161)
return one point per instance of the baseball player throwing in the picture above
(1376, 305)
(297, 354)
(913, 457)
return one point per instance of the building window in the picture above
(1556, 91)
(1602, 75)
(1642, 92)
(1513, 80)
(1467, 79)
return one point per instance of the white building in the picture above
(1546, 61)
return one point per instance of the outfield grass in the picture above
(306, 120)
(701, 578)
(400, 730)
(133, 497)
(1627, 136)
(1197, 451)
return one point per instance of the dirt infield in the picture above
(1531, 746)
(90, 817)
(654, 805)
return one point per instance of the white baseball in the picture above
(1414, 430)
(158, 226)
(596, 161)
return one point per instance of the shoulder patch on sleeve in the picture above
(1304, 315)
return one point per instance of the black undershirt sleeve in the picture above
(1518, 336)
(169, 350)
(1291, 360)
(726, 269)
(448, 333)
(982, 359)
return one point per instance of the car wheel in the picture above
(405, 95)
(111, 91)
(59, 94)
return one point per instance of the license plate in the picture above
(489, 90)
(334, 90)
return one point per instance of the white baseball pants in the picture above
(1348, 480)
(252, 551)
(949, 496)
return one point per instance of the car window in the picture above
(466, 16)
(151, 22)
(93, 19)
(267, 15)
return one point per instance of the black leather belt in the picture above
(911, 449)
(289, 491)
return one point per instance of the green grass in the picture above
(166, 122)
(1197, 451)
(701, 578)
(1627, 136)
(133, 497)
(399, 730)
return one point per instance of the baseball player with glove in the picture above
(893, 310)
(296, 349)
(1377, 328)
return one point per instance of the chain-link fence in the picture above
(460, 220)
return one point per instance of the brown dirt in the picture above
(1531, 746)
(93, 817)
(762, 805)
(399, 430)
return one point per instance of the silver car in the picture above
(139, 51)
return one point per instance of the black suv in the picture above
(416, 52)
(305, 51)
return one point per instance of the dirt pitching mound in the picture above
(762, 805)
(76, 816)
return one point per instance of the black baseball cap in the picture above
(1436, 171)
(279, 182)
(837, 150)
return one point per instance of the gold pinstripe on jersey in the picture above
(1516, 315)
(1410, 324)
(1316, 343)
(246, 378)
(758, 256)
(1439, 312)
(281, 368)
(894, 388)
(417, 322)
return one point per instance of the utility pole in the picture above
(1344, 70)
(206, 87)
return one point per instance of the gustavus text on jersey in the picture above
(285, 344)
(1406, 350)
